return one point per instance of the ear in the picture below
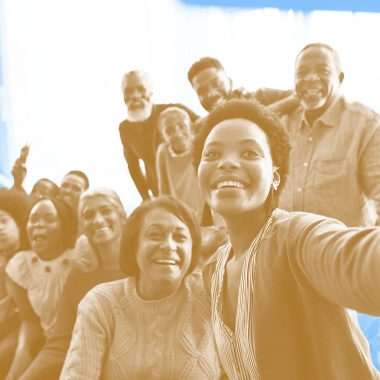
(276, 178)
(341, 77)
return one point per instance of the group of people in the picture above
(255, 242)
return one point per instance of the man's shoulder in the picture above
(360, 109)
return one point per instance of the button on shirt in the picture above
(334, 167)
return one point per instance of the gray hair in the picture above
(105, 192)
(137, 73)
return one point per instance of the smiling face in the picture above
(137, 96)
(71, 188)
(44, 230)
(176, 130)
(163, 254)
(236, 169)
(212, 87)
(101, 221)
(317, 78)
(9, 234)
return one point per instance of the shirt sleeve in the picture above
(162, 175)
(268, 96)
(89, 341)
(18, 270)
(341, 264)
(134, 167)
(370, 164)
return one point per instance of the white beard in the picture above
(140, 114)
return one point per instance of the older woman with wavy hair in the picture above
(156, 322)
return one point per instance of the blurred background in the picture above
(62, 63)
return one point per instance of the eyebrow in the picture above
(241, 142)
(156, 225)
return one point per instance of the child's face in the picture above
(9, 233)
(236, 169)
(177, 131)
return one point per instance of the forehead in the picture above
(316, 56)
(235, 131)
(45, 206)
(73, 179)
(175, 115)
(43, 185)
(5, 214)
(163, 218)
(207, 75)
(95, 201)
(137, 80)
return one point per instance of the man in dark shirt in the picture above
(213, 86)
(139, 133)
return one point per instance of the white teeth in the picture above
(165, 261)
(313, 92)
(236, 184)
(101, 229)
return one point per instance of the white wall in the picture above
(64, 61)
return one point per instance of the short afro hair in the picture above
(268, 121)
(131, 232)
(201, 64)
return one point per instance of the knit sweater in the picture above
(118, 335)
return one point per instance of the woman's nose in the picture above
(169, 243)
(229, 162)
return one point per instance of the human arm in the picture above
(19, 169)
(30, 334)
(161, 168)
(89, 341)
(369, 167)
(49, 361)
(279, 101)
(340, 264)
(136, 172)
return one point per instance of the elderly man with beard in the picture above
(138, 132)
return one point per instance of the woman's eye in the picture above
(211, 155)
(250, 154)
(154, 236)
(180, 238)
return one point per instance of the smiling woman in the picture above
(156, 322)
(35, 278)
(281, 287)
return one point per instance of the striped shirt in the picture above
(236, 349)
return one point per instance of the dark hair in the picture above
(80, 174)
(131, 231)
(268, 121)
(66, 215)
(17, 204)
(201, 64)
(55, 188)
(322, 45)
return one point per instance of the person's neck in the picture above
(108, 255)
(149, 293)
(313, 115)
(243, 228)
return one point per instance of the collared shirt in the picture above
(334, 167)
